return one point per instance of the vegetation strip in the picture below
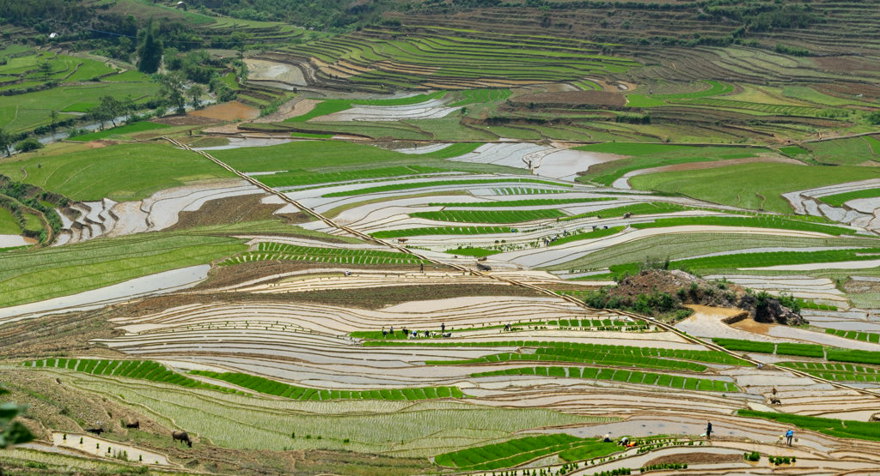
(757, 222)
(411, 185)
(521, 450)
(268, 251)
(272, 387)
(836, 354)
(619, 375)
(830, 426)
(136, 369)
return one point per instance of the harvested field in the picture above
(231, 111)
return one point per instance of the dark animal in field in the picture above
(181, 436)
(136, 425)
(58, 381)
(627, 214)
(775, 401)
(484, 258)
(96, 431)
(483, 267)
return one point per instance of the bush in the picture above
(28, 145)
(753, 456)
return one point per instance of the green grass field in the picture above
(272, 387)
(644, 156)
(122, 172)
(754, 186)
(8, 223)
(436, 183)
(590, 235)
(133, 128)
(53, 272)
(23, 112)
(837, 372)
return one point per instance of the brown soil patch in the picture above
(363, 298)
(224, 211)
(230, 111)
(57, 335)
(850, 90)
(292, 108)
(695, 458)
(186, 120)
(751, 325)
(96, 144)
(573, 98)
(224, 276)
(846, 64)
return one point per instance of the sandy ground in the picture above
(707, 322)
(153, 284)
(264, 70)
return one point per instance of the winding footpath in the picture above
(400, 248)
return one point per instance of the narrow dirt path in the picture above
(513, 282)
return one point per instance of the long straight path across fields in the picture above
(400, 248)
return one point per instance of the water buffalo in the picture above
(96, 431)
(181, 436)
(136, 425)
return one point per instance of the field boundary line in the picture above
(513, 282)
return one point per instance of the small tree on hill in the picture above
(12, 432)
(6, 142)
(150, 50)
(195, 94)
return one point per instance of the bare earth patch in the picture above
(230, 111)
(228, 210)
(695, 458)
(293, 108)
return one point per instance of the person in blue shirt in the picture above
(789, 435)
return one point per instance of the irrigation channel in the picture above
(512, 282)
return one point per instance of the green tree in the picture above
(195, 94)
(53, 116)
(12, 432)
(150, 50)
(6, 142)
(172, 92)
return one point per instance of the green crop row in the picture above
(855, 335)
(305, 177)
(837, 372)
(521, 450)
(841, 198)
(830, 426)
(549, 354)
(620, 375)
(490, 216)
(807, 350)
(438, 183)
(136, 369)
(636, 209)
(600, 324)
(272, 387)
(442, 230)
(590, 235)
(533, 202)
(756, 222)
(644, 353)
(525, 191)
(757, 260)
